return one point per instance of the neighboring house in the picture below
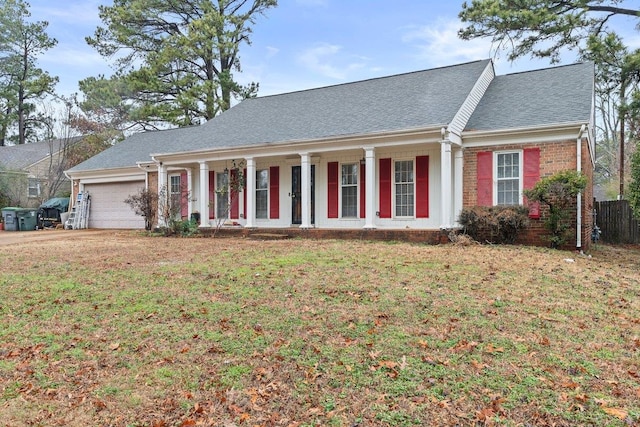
(405, 153)
(28, 170)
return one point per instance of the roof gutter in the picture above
(312, 145)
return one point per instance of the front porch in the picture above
(430, 237)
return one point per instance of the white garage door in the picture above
(108, 209)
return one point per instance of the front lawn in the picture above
(126, 330)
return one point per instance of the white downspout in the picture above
(71, 195)
(579, 197)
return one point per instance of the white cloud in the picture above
(322, 59)
(76, 13)
(439, 44)
(272, 51)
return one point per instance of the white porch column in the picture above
(250, 189)
(458, 165)
(163, 194)
(446, 195)
(305, 177)
(370, 190)
(190, 196)
(204, 194)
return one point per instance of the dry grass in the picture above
(128, 330)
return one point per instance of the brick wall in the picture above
(152, 181)
(554, 157)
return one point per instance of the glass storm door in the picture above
(296, 195)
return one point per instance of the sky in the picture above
(302, 44)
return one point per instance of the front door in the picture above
(296, 195)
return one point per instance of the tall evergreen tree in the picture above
(540, 28)
(546, 28)
(174, 59)
(21, 81)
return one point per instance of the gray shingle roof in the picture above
(19, 157)
(136, 148)
(536, 98)
(406, 101)
(412, 100)
(420, 99)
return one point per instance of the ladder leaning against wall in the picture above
(79, 216)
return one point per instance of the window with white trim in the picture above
(404, 183)
(262, 194)
(34, 187)
(175, 194)
(350, 190)
(222, 194)
(508, 174)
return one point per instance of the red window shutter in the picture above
(212, 194)
(422, 187)
(274, 192)
(244, 195)
(332, 190)
(531, 176)
(363, 191)
(385, 188)
(184, 195)
(484, 163)
(235, 203)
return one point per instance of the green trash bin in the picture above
(27, 219)
(10, 219)
(19, 219)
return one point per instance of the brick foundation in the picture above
(431, 237)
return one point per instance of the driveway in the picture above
(17, 237)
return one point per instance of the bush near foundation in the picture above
(494, 224)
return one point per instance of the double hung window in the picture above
(262, 193)
(508, 178)
(350, 190)
(404, 188)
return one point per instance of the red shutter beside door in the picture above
(184, 195)
(274, 192)
(422, 187)
(484, 161)
(531, 173)
(332, 190)
(385, 188)
(212, 194)
(235, 203)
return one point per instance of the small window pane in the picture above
(350, 190)
(175, 195)
(262, 190)
(34, 187)
(508, 178)
(222, 195)
(404, 186)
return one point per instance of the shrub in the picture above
(559, 192)
(494, 224)
(145, 204)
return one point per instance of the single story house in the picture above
(31, 173)
(405, 152)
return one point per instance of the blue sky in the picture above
(301, 44)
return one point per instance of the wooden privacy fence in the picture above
(616, 222)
